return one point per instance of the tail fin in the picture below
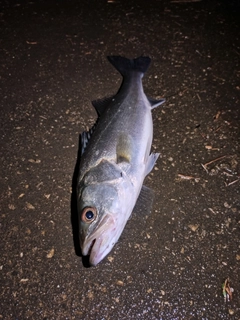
(126, 66)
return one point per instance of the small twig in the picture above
(236, 52)
(218, 128)
(227, 174)
(198, 97)
(230, 183)
(31, 42)
(183, 177)
(182, 92)
(204, 167)
(218, 78)
(214, 160)
(217, 115)
(211, 148)
(212, 210)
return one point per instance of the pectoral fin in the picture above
(144, 202)
(155, 103)
(151, 162)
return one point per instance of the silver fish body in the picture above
(115, 160)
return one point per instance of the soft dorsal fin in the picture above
(101, 104)
(155, 103)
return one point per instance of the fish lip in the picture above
(87, 246)
(93, 245)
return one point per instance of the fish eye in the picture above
(89, 214)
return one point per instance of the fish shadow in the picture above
(74, 211)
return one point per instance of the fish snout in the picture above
(101, 241)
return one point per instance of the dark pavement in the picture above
(171, 264)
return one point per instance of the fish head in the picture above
(101, 220)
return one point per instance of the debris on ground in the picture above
(227, 290)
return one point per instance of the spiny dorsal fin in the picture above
(84, 141)
(86, 136)
(155, 102)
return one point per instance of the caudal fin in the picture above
(126, 66)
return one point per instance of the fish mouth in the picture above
(101, 241)
(90, 248)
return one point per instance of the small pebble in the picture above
(193, 227)
(50, 253)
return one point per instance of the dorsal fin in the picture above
(100, 105)
(84, 141)
(86, 136)
(155, 102)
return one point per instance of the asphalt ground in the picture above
(170, 264)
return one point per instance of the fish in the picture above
(115, 160)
